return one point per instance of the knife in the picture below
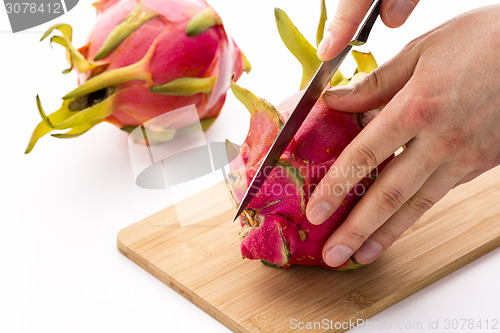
(303, 107)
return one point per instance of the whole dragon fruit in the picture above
(143, 59)
(274, 225)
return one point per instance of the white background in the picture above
(63, 205)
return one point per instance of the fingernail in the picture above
(325, 44)
(398, 12)
(337, 255)
(319, 213)
(368, 252)
(340, 91)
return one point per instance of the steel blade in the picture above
(297, 117)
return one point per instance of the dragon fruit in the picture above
(143, 59)
(274, 225)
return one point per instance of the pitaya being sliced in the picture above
(143, 59)
(274, 225)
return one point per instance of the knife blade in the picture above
(312, 93)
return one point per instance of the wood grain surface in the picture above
(202, 261)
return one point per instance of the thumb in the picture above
(394, 13)
(378, 87)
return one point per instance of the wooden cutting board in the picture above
(202, 262)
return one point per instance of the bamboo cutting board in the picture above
(202, 262)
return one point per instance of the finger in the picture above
(378, 87)
(378, 140)
(399, 181)
(394, 13)
(342, 28)
(434, 189)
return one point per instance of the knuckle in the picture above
(420, 42)
(362, 159)
(431, 160)
(356, 235)
(470, 160)
(421, 110)
(411, 45)
(414, 43)
(373, 80)
(373, 85)
(420, 203)
(452, 142)
(370, 87)
(387, 236)
(389, 199)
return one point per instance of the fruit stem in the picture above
(95, 112)
(64, 118)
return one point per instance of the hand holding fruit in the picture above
(442, 97)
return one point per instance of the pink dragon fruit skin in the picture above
(275, 228)
(143, 59)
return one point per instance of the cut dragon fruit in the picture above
(275, 228)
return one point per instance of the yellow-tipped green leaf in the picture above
(65, 29)
(298, 45)
(77, 130)
(338, 79)
(137, 71)
(202, 21)
(151, 137)
(366, 62)
(42, 113)
(64, 118)
(93, 113)
(131, 23)
(246, 65)
(40, 130)
(245, 96)
(111, 78)
(204, 123)
(207, 123)
(186, 86)
(46, 125)
(322, 21)
(253, 103)
(75, 58)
